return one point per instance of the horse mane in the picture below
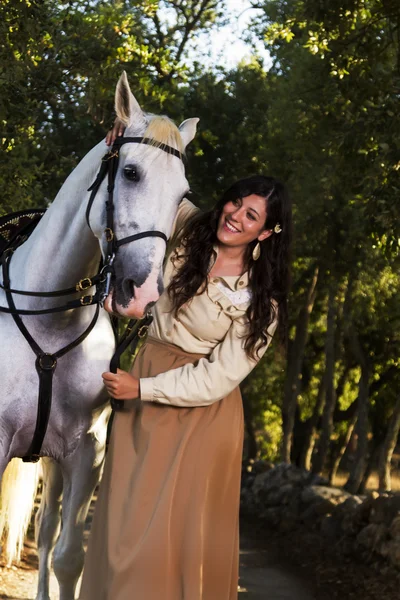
(163, 130)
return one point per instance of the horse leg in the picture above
(81, 473)
(47, 522)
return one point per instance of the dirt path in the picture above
(263, 576)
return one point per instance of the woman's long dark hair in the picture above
(269, 276)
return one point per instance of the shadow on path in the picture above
(265, 576)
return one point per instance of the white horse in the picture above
(61, 251)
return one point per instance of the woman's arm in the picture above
(211, 378)
(204, 383)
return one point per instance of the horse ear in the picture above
(126, 105)
(187, 130)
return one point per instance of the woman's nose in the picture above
(236, 214)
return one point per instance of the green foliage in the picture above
(324, 118)
(59, 64)
(333, 132)
(263, 394)
(341, 63)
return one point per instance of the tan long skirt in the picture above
(166, 520)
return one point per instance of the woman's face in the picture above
(242, 221)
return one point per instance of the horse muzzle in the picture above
(131, 301)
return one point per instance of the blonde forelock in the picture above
(164, 131)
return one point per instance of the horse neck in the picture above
(62, 249)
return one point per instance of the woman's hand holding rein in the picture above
(121, 385)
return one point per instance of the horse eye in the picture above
(131, 174)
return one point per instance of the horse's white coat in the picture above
(62, 250)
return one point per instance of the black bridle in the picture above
(45, 362)
(109, 166)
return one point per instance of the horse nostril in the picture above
(128, 287)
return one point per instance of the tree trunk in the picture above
(357, 472)
(295, 361)
(341, 449)
(388, 447)
(371, 464)
(330, 402)
(309, 442)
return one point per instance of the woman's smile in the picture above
(228, 226)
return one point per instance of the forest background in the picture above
(322, 115)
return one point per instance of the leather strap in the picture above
(46, 371)
(139, 236)
(83, 301)
(45, 366)
(66, 292)
(134, 332)
(120, 141)
(96, 184)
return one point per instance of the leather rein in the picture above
(46, 363)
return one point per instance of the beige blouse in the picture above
(213, 323)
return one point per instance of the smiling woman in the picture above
(248, 232)
(166, 523)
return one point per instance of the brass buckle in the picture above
(143, 331)
(83, 284)
(110, 155)
(86, 300)
(109, 234)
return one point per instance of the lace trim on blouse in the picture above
(235, 296)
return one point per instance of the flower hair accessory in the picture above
(278, 228)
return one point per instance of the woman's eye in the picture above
(131, 174)
(235, 202)
(251, 216)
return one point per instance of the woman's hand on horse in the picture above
(121, 385)
(117, 129)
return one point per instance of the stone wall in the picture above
(286, 497)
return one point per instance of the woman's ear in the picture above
(265, 234)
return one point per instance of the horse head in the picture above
(149, 185)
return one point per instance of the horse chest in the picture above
(77, 388)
